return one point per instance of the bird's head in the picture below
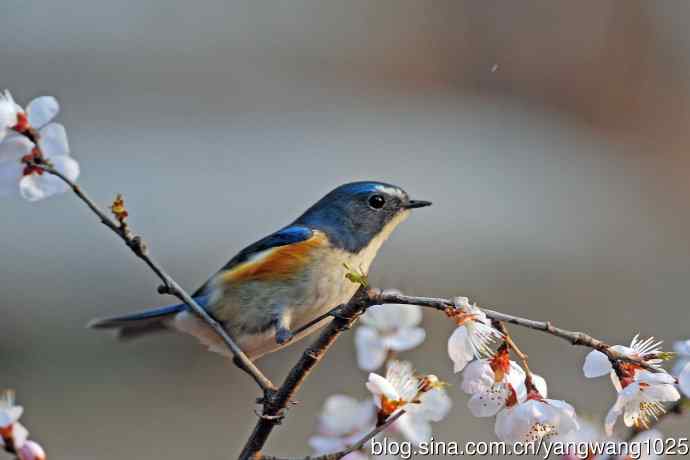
(354, 214)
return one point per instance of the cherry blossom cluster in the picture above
(385, 330)
(14, 435)
(497, 386)
(500, 387)
(28, 137)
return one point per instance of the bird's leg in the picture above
(282, 325)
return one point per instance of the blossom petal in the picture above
(53, 141)
(661, 392)
(540, 385)
(414, 429)
(380, 386)
(69, 168)
(391, 316)
(433, 405)
(31, 450)
(343, 414)
(459, 349)
(684, 380)
(13, 148)
(405, 339)
(488, 403)
(36, 187)
(596, 364)
(511, 425)
(409, 315)
(10, 415)
(10, 174)
(371, 352)
(682, 348)
(655, 378)
(478, 376)
(42, 110)
(566, 416)
(326, 444)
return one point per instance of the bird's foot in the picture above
(283, 336)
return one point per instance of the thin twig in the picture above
(354, 447)
(513, 346)
(574, 337)
(170, 286)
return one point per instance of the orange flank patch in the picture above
(277, 263)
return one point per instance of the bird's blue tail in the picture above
(140, 323)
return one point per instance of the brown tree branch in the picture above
(346, 315)
(170, 286)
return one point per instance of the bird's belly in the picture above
(248, 309)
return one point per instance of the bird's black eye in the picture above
(376, 201)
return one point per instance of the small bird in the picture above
(284, 281)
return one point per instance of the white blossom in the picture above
(493, 384)
(534, 419)
(388, 327)
(343, 422)
(684, 380)
(473, 335)
(640, 400)
(398, 388)
(9, 411)
(415, 424)
(598, 364)
(682, 350)
(33, 184)
(9, 112)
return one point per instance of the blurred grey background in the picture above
(552, 137)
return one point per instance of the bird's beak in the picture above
(416, 204)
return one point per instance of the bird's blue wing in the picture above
(289, 235)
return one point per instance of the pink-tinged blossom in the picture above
(31, 450)
(30, 182)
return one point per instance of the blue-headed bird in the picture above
(284, 281)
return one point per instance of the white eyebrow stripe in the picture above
(391, 191)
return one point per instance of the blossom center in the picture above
(541, 430)
(29, 169)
